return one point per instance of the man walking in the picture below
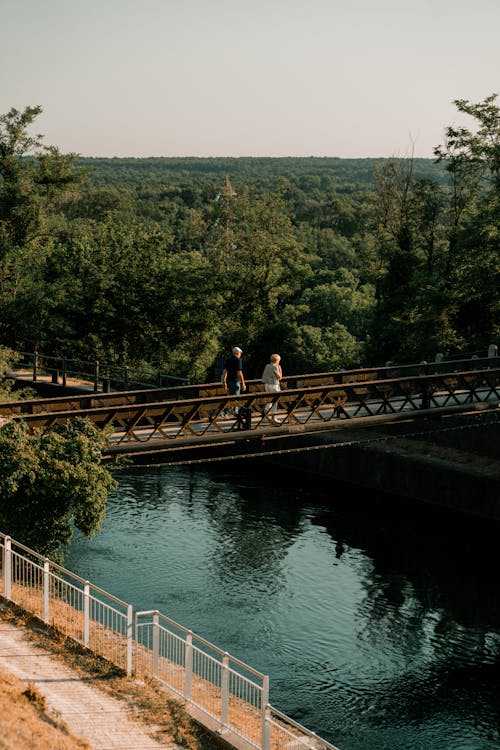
(232, 376)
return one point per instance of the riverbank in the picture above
(79, 700)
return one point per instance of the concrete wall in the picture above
(431, 470)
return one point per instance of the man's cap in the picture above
(237, 350)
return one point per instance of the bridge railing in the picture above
(104, 377)
(230, 695)
(392, 370)
(216, 416)
(206, 390)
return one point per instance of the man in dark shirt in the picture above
(232, 376)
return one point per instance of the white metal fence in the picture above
(90, 615)
(228, 694)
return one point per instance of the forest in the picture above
(166, 263)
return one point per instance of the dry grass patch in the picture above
(26, 724)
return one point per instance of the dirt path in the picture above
(103, 721)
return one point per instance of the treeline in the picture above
(167, 263)
(265, 173)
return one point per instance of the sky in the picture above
(344, 78)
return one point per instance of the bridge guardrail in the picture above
(218, 416)
(226, 690)
(101, 376)
(205, 390)
(105, 378)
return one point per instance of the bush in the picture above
(51, 483)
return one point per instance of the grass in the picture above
(25, 723)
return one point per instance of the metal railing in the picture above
(102, 377)
(228, 695)
(60, 598)
(218, 416)
(204, 390)
(195, 668)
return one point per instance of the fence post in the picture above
(266, 714)
(189, 664)
(224, 684)
(7, 568)
(64, 371)
(96, 376)
(35, 366)
(86, 613)
(130, 631)
(46, 590)
(156, 642)
(426, 397)
(266, 728)
(125, 378)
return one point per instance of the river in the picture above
(378, 622)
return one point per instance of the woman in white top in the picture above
(271, 378)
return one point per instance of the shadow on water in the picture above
(450, 561)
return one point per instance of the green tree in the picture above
(412, 316)
(32, 177)
(33, 180)
(256, 259)
(340, 297)
(51, 483)
(472, 160)
(308, 348)
(189, 315)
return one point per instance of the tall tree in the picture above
(472, 275)
(438, 285)
(33, 178)
(257, 261)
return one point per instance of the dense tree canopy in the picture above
(332, 262)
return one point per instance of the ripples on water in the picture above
(379, 628)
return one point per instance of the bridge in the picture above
(189, 422)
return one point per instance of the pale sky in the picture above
(347, 78)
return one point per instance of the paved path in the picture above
(104, 722)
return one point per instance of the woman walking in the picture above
(271, 378)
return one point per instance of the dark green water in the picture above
(379, 628)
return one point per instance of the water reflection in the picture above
(379, 627)
(424, 562)
(430, 602)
